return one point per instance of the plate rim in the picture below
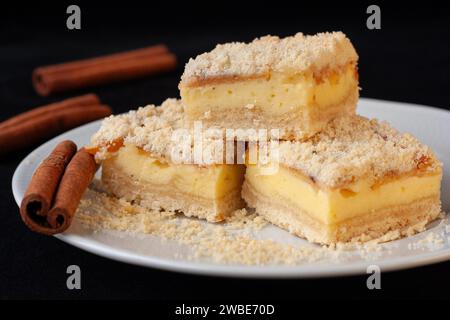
(233, 270)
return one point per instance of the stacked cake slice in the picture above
(296, 84)
(339, 177)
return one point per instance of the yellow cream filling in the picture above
(333, 206)
(211, 182)
(275, 95)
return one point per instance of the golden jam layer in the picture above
(334, 206)
(211, 182)
(273, 96)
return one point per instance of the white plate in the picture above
(430, 125)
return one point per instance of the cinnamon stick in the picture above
(102, 70)
(40, 192)
(46, 122)
(87, 99)
(77, 177)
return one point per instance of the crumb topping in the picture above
(295, 54)
(347, 150)
(149, 128)
(162, 132)
(352, 148)
(119, 126)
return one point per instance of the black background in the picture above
(407, 60)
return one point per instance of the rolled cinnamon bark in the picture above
(16, 135)
(84, 100)
(41, 190)
(77, 177)
(101, 70)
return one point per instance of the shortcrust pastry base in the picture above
(297, 125)
(405, 220)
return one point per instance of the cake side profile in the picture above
(136, 151)
(296, 84)
(355, 181)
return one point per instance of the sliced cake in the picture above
(140, 157)
(356, 180)
(296, 84)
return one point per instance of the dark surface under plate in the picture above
(407, 60)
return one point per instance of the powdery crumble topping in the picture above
(352, 148)
(148, 127)
(159, 130)
(293, 54)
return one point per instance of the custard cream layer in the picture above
(210, 182)
(275, 94)
(331, 206)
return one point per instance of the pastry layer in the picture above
(402, 219)
(209, 192)
(331, 206)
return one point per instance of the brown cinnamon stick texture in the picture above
(47, 121)
(40, 192)
(77, 177)
(84, 100)
(102, 70)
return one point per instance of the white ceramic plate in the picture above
(430, 125)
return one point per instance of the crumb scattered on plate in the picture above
(234, 241)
